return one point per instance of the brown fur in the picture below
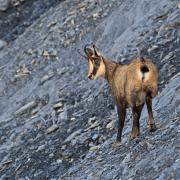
(125, 80)
(132, 85)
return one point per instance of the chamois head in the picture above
(95, 63)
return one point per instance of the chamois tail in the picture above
(144, 68)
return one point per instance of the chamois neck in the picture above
(110, 68)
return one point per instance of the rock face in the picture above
(20, 14)
(56, 124)
(4, 4)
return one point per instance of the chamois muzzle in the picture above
(90, 76)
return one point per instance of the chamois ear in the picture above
(96, 51)
(88, 51)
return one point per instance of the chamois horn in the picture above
(87, 50)
(97, 53)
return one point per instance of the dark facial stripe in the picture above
(96, 66)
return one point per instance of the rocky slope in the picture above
(17, 15)
(56, 124)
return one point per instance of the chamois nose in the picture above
(90, 76)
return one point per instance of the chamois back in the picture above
(138, 78)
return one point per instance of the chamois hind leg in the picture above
(121, 118)
(151, 122)
(136, 116)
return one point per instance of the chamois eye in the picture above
(96, 61)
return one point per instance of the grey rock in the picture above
(22, 71)
(26, 107)
(2, 44)
(167, 57)
(59, 161)
(52, 128)
(154, 47)
(2, 86)
(178, 5)
(46, 77)
(51, 155)
(63, 113)
(58, 105)
(109, 125)
(93, 148)
(127, 158)
(91, 120)
(95, 137)
(73, 135)
(42, 147)
(94, 125)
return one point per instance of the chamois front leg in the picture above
(151, 122)
(121, 118)
(136, 127)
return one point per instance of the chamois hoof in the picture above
(116, 145)
(152, 127)
(133, 136)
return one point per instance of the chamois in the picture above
(132, 86)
